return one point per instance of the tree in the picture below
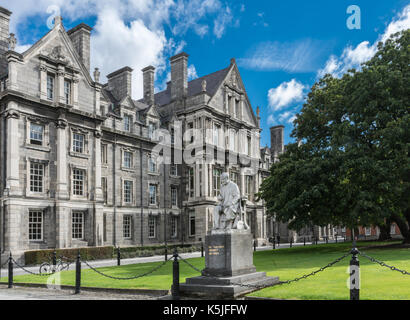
(352, 167)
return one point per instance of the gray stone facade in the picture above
(79, 164)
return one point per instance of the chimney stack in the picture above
(277, 144)
(179, 76)
(148, 84)
(4, 37)
(119, 83)
(80, 36)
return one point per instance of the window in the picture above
(367, 231)
(173, 170)
(191, 181)
(104, 159)
(78, 225)
(35, 226)
(152, 194)
(36, 177)
(249, 146)
(216, 181)
(192, 224)
(249, 187)
(67, 92)
(392, 229)
(127, 191)
(217, 128)
(232, 134)
(236, 110)
(104, 188)
(78, 182)
(234, 177)
(174, 196)
(127, 159)
(127, 123)
(126, 226)
(191, 128)
(36, 134)
(50, 87)
(78, 142)
(151, 129)
(152, 226)
(174, 226)
(152, 165)
(172, 135)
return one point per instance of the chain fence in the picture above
(30, 272)
(393, 268)
(127, 278)
(275, 284)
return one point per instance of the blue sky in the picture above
(281, 47)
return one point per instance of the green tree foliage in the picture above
(352, 166)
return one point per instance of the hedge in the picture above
(36, 257)
(88, 253)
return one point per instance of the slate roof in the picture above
(213, 81)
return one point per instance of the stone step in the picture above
(227, 280)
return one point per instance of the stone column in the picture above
(62, 187)
(98, 196)
(43, 82)
(60, 84)
(76, 81)
(197, 195)
(13, 150)
(205, 179)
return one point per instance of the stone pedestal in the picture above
(229, 271)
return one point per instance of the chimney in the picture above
(80, 36)
(119, 83)
(4, 36)
(179, 76)
(276, 141)
(148, 84)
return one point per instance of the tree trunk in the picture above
(385, 231)
(404, 228)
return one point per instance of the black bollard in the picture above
(336, 239)
(175, 276)
(304, 241)
(78, 274)
(354, 274)
(274, 244)
(254, 245)
(54, 261)
(10, 271)
(327, 239)
(118, 256)
(202, 249)
(166, 253)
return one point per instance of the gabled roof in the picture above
(213, 81)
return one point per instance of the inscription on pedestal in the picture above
(215, 250)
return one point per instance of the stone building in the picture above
(80, 160)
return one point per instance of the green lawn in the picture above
(376, 282)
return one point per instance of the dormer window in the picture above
(67, 92)
(50, 87)
(127, 123)
(36, 134)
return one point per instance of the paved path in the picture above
(113, 262)
(20, 293)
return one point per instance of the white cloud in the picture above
(271, 120)
(222, 21)
(299, 56)
(192, 72)
(353, 57)
(284, 116)
(285, 94)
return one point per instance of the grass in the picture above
(377, 283)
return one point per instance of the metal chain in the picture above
(128, 278)
(7, 261)
(384, 264)
(33, 273)
(280, 283)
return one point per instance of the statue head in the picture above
(224, 178)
